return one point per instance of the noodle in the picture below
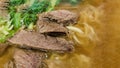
(91, 14)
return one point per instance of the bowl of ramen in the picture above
(59, 33)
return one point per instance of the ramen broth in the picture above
(96, 37)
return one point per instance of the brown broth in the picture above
(104, 53)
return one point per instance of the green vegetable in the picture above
(16, 21)
(12, 5)
(5, 30)
(38, 7)
(52, 4)
(29, 15)
(16, 2)
(30, 27)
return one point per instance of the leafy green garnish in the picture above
(28, 19)
(29, 15)
(16, 2)
(52, 4)
(16, 21)
(5, 29)
(38, 7)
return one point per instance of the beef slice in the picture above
(34, 40)
(51, 29)
(64, 17)
(26, 59)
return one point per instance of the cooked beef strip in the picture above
(34, 40)
(3, 47)
(27, 59)
(51, 29)
(53, 23)
(64, 17)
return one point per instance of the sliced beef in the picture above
(34, 40)
(60, 16)
(51, 29)
(26, 59)
(3, 47)
(53, 23)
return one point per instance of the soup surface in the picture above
(96, 39)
